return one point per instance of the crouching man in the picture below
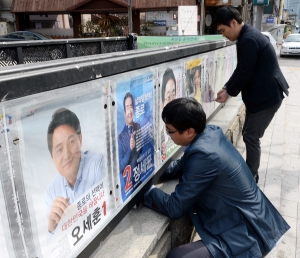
(230, 213)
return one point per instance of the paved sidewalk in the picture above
(280, 165)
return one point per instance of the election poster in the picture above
(12, 225)
(230, 61)
(220, 72)
(3, 240)
(135, 130)
(208, 91)
(63, 158)
(193, 78)
(170, 81)
(3, 171)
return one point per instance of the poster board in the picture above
(31, 175)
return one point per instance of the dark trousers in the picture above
(190, 250)
(254, 128)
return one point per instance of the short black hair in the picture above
(128, 95)
(185, 113)
(226, 14)
(169, 74)
(62, 116)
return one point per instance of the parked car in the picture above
(9, 39)
(271, 39)
(23, 35)
(291, 45)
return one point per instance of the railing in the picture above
(25, 52)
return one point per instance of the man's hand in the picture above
(222, 96)
(56, 212)
(132, 140)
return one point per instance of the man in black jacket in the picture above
(257, 76)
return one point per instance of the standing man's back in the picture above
(258, 78)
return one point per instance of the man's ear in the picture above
(233, 23)
(80, 138)
(191, 132)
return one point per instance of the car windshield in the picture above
(293, 38)
(42, 36)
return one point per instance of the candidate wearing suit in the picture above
(129, 146)
(216, 188)
(258, 78)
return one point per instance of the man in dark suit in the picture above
(216, 188)
(130, 146)
(257, 76)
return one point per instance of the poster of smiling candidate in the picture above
(63, 160)
(135, 131)
(170, 81)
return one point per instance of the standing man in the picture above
(229, 211)
(257, 76)
(130, 146)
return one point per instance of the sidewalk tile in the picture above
(287, 247)
(289, 208)
(290, 194)
(298, 248)
(290, 181)
(292, 232)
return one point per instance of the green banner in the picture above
(149, 41)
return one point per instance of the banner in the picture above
(208, 91)
(193, 79)
(170, 81)
(150, 42)
(135, 131)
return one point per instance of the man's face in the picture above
(231, 32)
(181, 139)
(170, 92)
(66, 152)
(128, 113)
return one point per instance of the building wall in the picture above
(5, 3)
(293, 5)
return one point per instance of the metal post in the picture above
(201, 16)
(20, 57)
(129, 16)
(280, 12)
(258, 13)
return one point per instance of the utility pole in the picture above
(257, 16)
(129, 17)
(201, 17)
(280, 12)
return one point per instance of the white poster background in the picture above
(187, 20)
(3, 244)
(37, 164)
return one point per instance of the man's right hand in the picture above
(132, 141)
(56, 212)
(222, 96)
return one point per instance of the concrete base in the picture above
(145, 233)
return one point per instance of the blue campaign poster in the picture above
(135, 131)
